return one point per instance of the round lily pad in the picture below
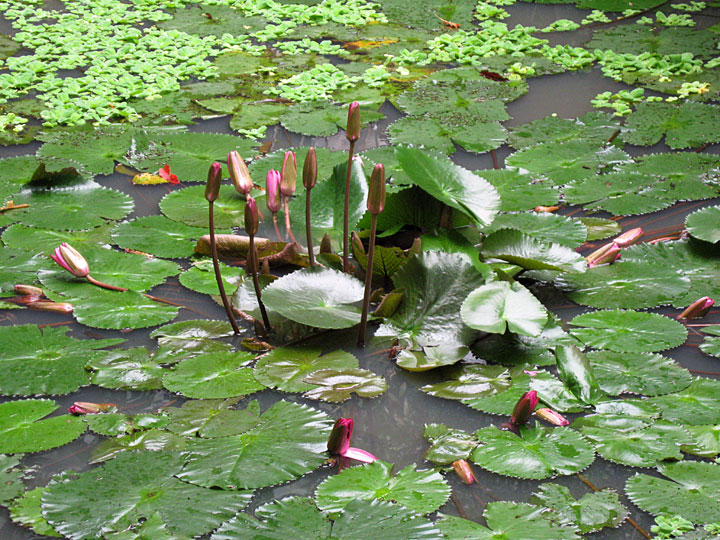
(189, 206)
(23, 430)
(705, 224)
(158, 236)
(472, 381)
(336, 385)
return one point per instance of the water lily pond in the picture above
(469, 254)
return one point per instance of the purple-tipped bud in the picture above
(272, 185)
(71, 260)
(288, 174)
(698, 309)
(376, 193)
(607, 254)
(239, 173)
(212, 188)
(464, 471)
(47, 305)
(524, 408)
(339, 440)
(352, 133)
(552, 417)
(251, 216)
(628, 237)
(29, 290)
(85, 407)
(310, 169)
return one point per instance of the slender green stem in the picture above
(288, 227)
(216, 267)
(346, 217)
(308, 231)
(104, 285)
(252, 265)
(368, 281)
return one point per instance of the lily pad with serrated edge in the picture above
(12, 475)
(201, 277)
(705, 224)
(520, 191)
(518, 248)
(711, 344)
(447, 444)
(109, 424)
(647, 374)
(151, 440)
(22, 428)
(538, 452)
(188, 206)
(118, 310)
(213, 375)
(691, 489)
(546, 227)
(471, 381)
(419, 491)
(46, 240)
(594, 126)
(158, 236)
(336, 385)
(704, 441)
(133, 487)
(697, 404)
(289, 441)
(503, 402)
(599, 228)
(97, 151)
(555, 393)
(126, 369)
(18, 266)
(26, 511)
(185, 339)
(628, 331)
(430, 357)
(210, 418)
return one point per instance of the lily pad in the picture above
(546, 227)
(210, 418)
(23, 430)
(46, 240)
(471, 381)
(711, 344)
(518, 248)
(27, 511)
(520, 191)
(703, 224)
(336, 385)
(697, 404)
(126, 369)
(447, 444)
(185, 339)
(158, 236)
(12, 475)
(188, 205)
(201, 277)
(685, 125)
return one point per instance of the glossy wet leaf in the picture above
(538, 452)
(599, 228)
(289, 441)
(22, 428)
(158, 236)
(209, 418)
(499, 306)
(711, 344)
(554, 393)
(97, 151)
(27, 511)
(133, 487)
(201, 277)
(336, 385)
(126, 369)
(689, 124)
(46, 361)
(647, 374)
(628, 331)
(691, 489)
(152, 440)
(704, 442)
(518, 248)
(471, 381)
(213, 375)
(418, 358)
(596, 127)
(546, 227)
(520, 191)
(420, 491)
(188, 206)
(697, 404)
(46, 240)
(189, 338)
(447, 444)
(109, 424)
(576, 373)
(324, 298)
(12, 475)
(592, 512)
(18, 266)
(703, 224)
(503, 402)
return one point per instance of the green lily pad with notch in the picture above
(518, 248)
(704, 441)
(647, 374)
(420, 491)
(500, 306)
(554, 393)
(628, 331)
(319, 297)
(133, 487)
(436, 137)
(600, 228)
(151, 440)
(576, 373)
(15, 172)
(637, 39)
(312, 120)
(546, 227)
(12, 475)
(201, 277)
(289, 441)
(520, 191)
(697, 404)
(298, 517)
(449, 183)
(691, 489)
(26, 511)
(189, 206)
(158, 236)
(185, 339)
(209, 418)
(416, 358)
(596, 127)
(538, 452)
(213, 375)
(46, 361)
(711, 343)
(285, 368)
(22, 428)
(109, 424)
(592, 512)
(249, 116)
(435, 285)
(447, 444)
(704, 224)
(126, 369)
(46, 240)
(96, 150)
(337, 385)
(462, 240)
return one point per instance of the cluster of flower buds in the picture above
(33, 298)
(610, 252)
(524, 409)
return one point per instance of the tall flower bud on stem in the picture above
(309, 179)
(375, 205)
(251, 228)
(352, 133)
(239, 173)
(212, 190)
(288, 179)
(274, 202)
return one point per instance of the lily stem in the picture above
(252, 264)
(308, 230)
(346, 217)
(368, 281)
(216, 267)
(277, 229)
(104, 285)
(288, 227)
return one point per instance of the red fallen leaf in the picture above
(493, 76)
(165, 173)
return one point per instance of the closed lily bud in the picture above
(352, 133)
(524, 408)
(552, 417)
(272, 185)
(464, 471)
(71, 260)
(54, 307)
(628, 237)
(546, 209)
(698, 309)
(212, 188)
(251, 216)
(239, 173)
(310, 169)
(85, 407)
(376, 193)
(339, 440)
(29, 290)
(607, 254)
(288, 174)
(326, 244)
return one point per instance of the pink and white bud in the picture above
(698, 309)
(552, 417)
(272, 193)
(71, 260)
(628, 237)
(607, 254)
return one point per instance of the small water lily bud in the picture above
(352, 133)
(212, 188)
(326, 244)
(546, 209)
(464, 471)
(698, 309)
(339, 440)
(71, 260)
(54, 307)
(272, 185)
(251, 216)
(85, 407)
(628, 237)
(552, 417)
(310, 169)
(376, 193)
(288, 174)
(239, 173)
(607, 254)
(524, 408)
(29, 290)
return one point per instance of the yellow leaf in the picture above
(147, 178)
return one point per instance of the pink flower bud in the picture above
(251, 216)
(85, 407)
(376, 192)
(212, 188)
(71, 260)
(273, 191)
(464, 471)
(698, 309)
(339, 440)
(239, 173)
(607, 254)
(524, 408)
(552, 417)
(628, 237)
(310, 169)
(54, 307)
(288, 174)
(29, 290)
(352, 133)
